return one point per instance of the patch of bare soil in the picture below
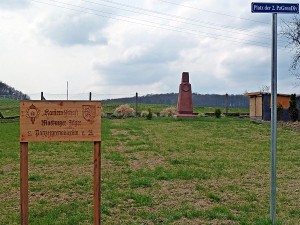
(62, 197)
(149, 160)
(9, 167)
(118, 132)
(174, 193)
(57, 170)
(8, 120)
(186, 221)
(120, 148)
(10, 195)
(295, 126)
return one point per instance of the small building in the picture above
(260, 106)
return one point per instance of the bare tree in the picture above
(265, 88)
(291, 31)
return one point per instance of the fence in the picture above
(139, 103)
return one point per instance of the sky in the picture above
(115, 48)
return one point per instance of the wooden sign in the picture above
(44, 121)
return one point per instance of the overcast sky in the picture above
(120, 47)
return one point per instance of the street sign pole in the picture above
(273, 120)
(274, 8)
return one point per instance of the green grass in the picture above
(160, 171)
(9, 107)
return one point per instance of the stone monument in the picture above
(185, 103)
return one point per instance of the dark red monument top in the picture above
(185, 77)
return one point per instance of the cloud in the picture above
(73, 29)
(13, 4)
(51, 45)
(137, 55)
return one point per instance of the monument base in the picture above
(193, 115)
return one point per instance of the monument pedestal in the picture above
(185, 103)
(194, 115)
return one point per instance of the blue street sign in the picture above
(267, 7)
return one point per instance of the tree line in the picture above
(205, 100)
(10, 92)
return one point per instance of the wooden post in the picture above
(226, 103)
(90, 96)
(24, 182)
(42, 96)
(136, 104)
(97, 181)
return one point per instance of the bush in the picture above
(201, 114)
(168, 112)
(144, 113)
(150, 115)
(218, 113)
(124, 111)
(279, 111)
(103, 115)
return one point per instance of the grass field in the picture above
(160, 171)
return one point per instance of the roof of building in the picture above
(264, 93)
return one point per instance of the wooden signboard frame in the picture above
(49, 121)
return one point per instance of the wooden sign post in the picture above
(55, 121)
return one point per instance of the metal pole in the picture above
(226, 103)
(273, 120)
(67, 90)
(136, 104)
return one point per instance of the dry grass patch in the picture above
(119, 132)
(146, 160)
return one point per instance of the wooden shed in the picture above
(260, 105)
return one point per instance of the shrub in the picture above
(124, 111)
(201, 114)
(279, 111)
(218, 113)
(144, 113)
(150, 115)
(293, 111)
(168, 112)
(103, 115)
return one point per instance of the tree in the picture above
(291, 31)
(265, 88)
(10, 92)
(293, 111)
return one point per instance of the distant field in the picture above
(9, 107)
(160, 171)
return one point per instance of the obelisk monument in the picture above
(185, 102)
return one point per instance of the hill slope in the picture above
(7, 91)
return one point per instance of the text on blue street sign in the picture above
(267, 7)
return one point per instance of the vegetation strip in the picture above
(158, 171)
